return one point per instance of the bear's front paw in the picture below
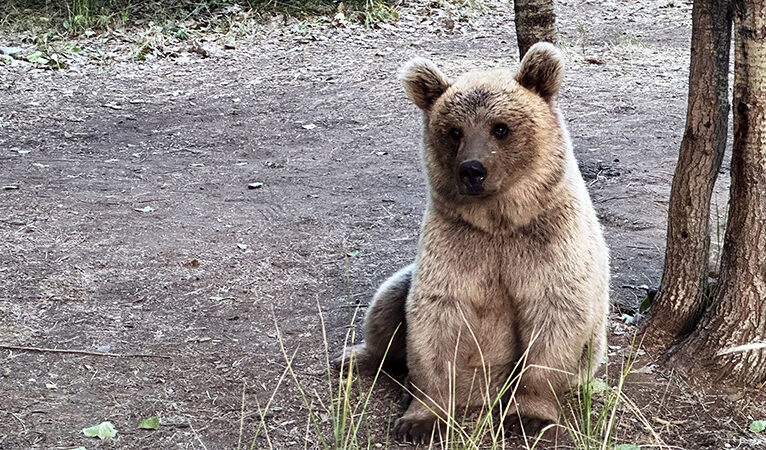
(529, 426)
(417, 431)
(358, 355)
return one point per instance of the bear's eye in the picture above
(455, 133)
(500, 130)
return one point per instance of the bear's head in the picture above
(494, 133)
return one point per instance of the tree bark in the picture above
(681, 297)
(731, 341)
(535, 22)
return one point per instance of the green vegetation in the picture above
(596, 407)
(79, 16)
(53, 33)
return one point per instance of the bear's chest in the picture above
(463, 311)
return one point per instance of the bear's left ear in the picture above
(542, 70)
(423, 82)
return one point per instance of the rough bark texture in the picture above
(535, 22)
(680, 299)
(738, 316)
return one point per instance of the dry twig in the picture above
(80, 352)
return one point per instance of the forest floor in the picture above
(185, 206)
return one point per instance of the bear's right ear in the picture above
(423, 82)
(542, 70)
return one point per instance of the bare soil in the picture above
(127, 225)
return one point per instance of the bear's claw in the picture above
(417, 431)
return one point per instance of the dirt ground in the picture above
(127, 225)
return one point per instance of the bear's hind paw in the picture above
(356, 355)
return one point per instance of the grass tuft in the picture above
(338, 415)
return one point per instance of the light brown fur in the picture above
(523, 267)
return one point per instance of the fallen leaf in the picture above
(150, 423)
(37, 56)
(200, 50)
(598, 386)
(649, 368)
(646, 304)
(103, 430)
(10, 51)
(594, 60)
(757, 426)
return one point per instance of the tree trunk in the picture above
(535, 22)
(681, 297)
(731, 341)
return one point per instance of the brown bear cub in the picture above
(511, 270)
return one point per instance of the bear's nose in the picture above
(472, 174)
